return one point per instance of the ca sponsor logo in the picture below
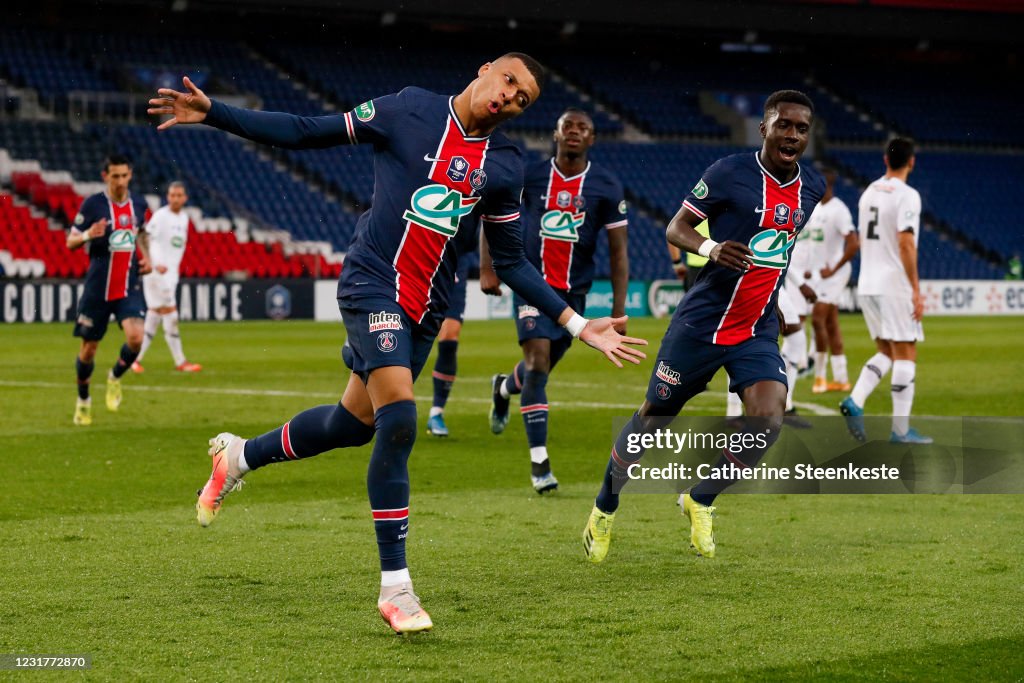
(771, 248)
(387, 342)
(438, 208)
(667, 374)
(385, 321)
(562, 225)
(700, 190)
(528, 312)
(365, 111)
(122, 240)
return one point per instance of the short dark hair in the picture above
(116, 160)
(790, 96)
(177, 183)
(540, 74)
(898, 152)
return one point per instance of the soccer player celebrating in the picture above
(439, 167)
(568, 200)
(835, 243)
(115, 240)
(756, 203)
(889, 293)
(168, 236)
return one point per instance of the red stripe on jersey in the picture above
(399, 513)
(286, 441)
(120, 264)
(755, 287)
(420, 253)
(556, 254)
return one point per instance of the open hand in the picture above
(182, 107)
(600, 334)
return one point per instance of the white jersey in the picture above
(800, 258)
(888, 207)
(168, 233)
(829, 224)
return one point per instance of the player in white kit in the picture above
(168, 229)
(889, 293)
(834, 243)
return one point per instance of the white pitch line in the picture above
(720, 395)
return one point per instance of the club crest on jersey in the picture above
(781, 214)
(579, 201)
(562, 225)
(177, 242)
(771, 248)
(385, 321)
(124, 221)
(477, 179)
(663, 390)
(438, 208)
(458, 167)
(122, 240)
(387, 342)
(563, 199)
(798, 217)
(667, 374)
(365, 111)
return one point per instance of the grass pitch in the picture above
(102, 554)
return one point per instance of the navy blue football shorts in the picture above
(457, 297)
(532, 324)
(381, 334)
(94, 312)
(685, 366)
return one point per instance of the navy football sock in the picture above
(309, 433)
(84, 372)
(124, 361)
(534, 407)
(615, 474)
(514, 382)
(445, 369)
(704, 491)
(387, 481)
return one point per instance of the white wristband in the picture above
(576, 324)
(706, 246)
(86, 237)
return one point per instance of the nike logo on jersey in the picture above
(782, 372)
(404, 526)
(432, 160)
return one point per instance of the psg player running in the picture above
(439, 167)
(755, 203)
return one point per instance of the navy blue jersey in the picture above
(432, 183)
(563, 217)
(744, 203)
(113, 266)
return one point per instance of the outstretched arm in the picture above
(271, 128)
(506, 249)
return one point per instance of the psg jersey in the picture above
(113, 265)
(745, 203)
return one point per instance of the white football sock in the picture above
(435, 410)
(902, 394)
(820, 364)
(733, 403)
(173, 337)
(871, 374)
(839, 373)
(151, 326)
(538, 454)
(395, 578)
